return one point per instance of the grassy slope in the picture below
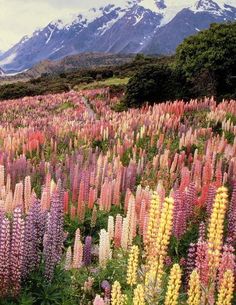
(113, 81)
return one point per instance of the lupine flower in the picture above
(17, 250)
(132, 266)
(110, 227)
(194, 291)
(227, 262)
(153, 219)
(191, 260)
(138, 298)
(68, 259)
(78, 251)
(215, 230)
(163, 238)
(4, 256)
(226, 289)
(118, 231)
(53, 239)
(117, 298)
(125, 233)
(94, 217)
(173, 287)
(107, 290)
(34, 230)
(98, 301)
(88, 251)
(104, 248)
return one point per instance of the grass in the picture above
(113, 81)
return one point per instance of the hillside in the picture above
(69, 63)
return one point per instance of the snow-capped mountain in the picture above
(151, 26)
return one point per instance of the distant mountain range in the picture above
(68, 64)
(147, 26)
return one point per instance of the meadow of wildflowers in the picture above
(103, 207)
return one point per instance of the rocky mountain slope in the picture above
(149, 26)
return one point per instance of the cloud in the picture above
(23, 17)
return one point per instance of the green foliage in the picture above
(208, 60)
(103, 145)
(39, 291)
(155, 83)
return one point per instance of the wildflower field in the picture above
(104, 207)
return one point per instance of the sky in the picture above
(22, 17)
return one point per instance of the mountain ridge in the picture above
(135, 26)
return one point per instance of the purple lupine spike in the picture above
(54, 235)
(107, 289)
(202, 231)
(4, 256)
(179, 225)
(88, 250)
(191, 199)
(34, 224)
(231, 233)
(190, 261)
(17, 250)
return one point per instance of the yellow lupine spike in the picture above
(194, 291)
(132, 266)
(139, 295)
(216, 226)
(174, 284)
(225, 295)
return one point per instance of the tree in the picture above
(155, 83)
(208, 60)
(151, 84)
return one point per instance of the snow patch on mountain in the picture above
(8, 59)
(138, 18)
(103, 29)
(50, 35)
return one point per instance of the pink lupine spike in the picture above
(142, 215)
(98, 301)
(17, 248)
(81, 210)
(228, 262)
(185, 179)
(127, 197)
(118, 231)
(4, 256)
(202, 262)
(207, 173)
(203, 198)
(180, 215)
(66, 202)
(72, 212)
(75, 184)
(44, 200)
(210, 198)
(116, 193)
(27, 194)
(78, 254)
(92, 198)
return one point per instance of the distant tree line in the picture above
(204, 65)
(65, 81)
